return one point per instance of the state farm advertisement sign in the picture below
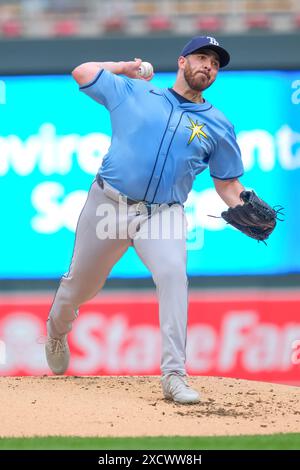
(252, 336)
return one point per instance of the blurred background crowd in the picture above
(55, 18)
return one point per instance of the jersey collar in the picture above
(195, 107)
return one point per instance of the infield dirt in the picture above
(134, 406)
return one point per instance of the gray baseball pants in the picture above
(107, 226)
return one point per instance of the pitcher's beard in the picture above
(197, 83)
(195, 80)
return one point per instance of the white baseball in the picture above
(145, 69)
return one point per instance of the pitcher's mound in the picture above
(134, 406)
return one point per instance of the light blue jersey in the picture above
(159, 144)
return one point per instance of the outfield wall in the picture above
(249, 335)
(251, 51)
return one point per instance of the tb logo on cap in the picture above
(212, 40)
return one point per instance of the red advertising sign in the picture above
(252, 335)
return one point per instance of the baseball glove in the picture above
(255, 217)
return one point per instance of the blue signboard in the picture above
(53, 139)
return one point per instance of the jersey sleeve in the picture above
(108, 89)
(225, 161)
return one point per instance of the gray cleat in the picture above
(57, 354)
(176, 388)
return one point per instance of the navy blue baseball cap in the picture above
(206, 42)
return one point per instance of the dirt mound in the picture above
(134, 406)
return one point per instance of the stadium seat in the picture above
(114, 24)
(159, 23)
(209, 23)
(297, 21)
(11, 28)
(66, 28)
(258, 22)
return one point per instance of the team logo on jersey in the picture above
(196, 130)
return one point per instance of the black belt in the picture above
(129, 201)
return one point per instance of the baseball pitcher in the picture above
(161, 139)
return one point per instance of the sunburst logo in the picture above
(196, 130)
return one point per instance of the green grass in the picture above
(261, 442)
